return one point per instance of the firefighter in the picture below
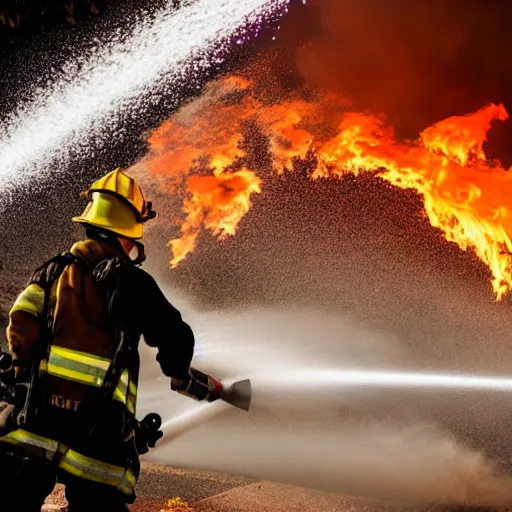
(73, 335)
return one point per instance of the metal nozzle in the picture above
(239, 394)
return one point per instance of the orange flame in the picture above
(216, 202)
(464, 194)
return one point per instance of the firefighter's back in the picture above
(79, 354)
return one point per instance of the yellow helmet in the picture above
(116, 203)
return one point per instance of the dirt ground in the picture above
(212, 492)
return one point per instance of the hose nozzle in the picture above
(238, 394)
(202, 386)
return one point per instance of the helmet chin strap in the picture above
(141, 254)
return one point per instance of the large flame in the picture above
(465, 195)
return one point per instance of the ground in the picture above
(212, 492)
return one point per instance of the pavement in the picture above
(213, 492)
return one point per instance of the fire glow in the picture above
(465, 195)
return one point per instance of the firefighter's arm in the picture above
(164, 328)
(23, 328)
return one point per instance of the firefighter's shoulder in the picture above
(139, 280)
(50, 269)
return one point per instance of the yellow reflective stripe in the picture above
(76, 463)
(130, 403)
(131, 406)
(128, 483)
(69, 374)
(77, 366)
(119, 396)
(123, 382)
(90, 370)
(120, 392)
(30, 300)
(132, 397)
(97, 471)
(86, 473)
(81, 357)
(20, 436)
(126, 392)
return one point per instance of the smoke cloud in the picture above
(417, 62)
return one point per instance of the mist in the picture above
(397, 445)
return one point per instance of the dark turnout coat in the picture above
(68, 304)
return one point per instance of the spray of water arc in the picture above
(120, 79)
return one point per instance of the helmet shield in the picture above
(109, 212)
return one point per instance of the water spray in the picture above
(123, 77)
(191, 419)
(239, 393)
(383, 460)
(307, 379)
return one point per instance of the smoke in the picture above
(390, 462)
(415, 61)
(392, 445)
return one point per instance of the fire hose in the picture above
(202, 387)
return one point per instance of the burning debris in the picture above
(205, 151)
(176, 505)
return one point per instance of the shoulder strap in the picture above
(108, 272)
(45, 276)
(52, 269)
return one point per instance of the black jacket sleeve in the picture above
(162, 327)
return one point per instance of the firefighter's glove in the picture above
(198, 386)
(148, 433)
